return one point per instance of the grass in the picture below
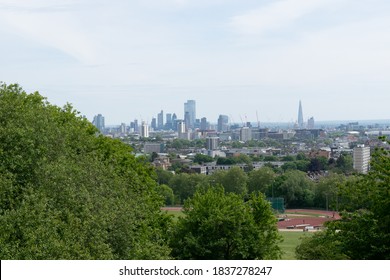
(175, 214)
(291, 240)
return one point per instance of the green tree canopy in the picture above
(261, 180)
(219, 225)
(233, 180)
(296, 189)
(67, 192)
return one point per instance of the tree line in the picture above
(297, 189)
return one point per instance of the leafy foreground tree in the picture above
(67, 192)
(364, 231)
(219, 225)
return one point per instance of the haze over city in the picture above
(130, 60)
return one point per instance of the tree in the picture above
(295, 188)
(318, 164)
(219, 225)
(261, 180)
(67, 192)
(364, 230)
(199, 158)
(233, 180)
(185, 185)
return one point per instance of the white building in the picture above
(361, 159)
(145, 130)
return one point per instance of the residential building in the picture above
(361, 159)
(144, 130)
(212, 143)
(245, 134)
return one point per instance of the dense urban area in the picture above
(72, 189)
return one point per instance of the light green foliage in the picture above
(68, 193)
(326, 193)
(167, 193)
(261, 180)
(233, 180)
(219, 225)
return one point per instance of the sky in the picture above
(248, 59)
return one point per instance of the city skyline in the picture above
(130, 60)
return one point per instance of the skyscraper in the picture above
(98, 121)
(300, 116)
(310, 123)
(223, 122)
(203, 124)
(168, 124)
(160, 120)
(190, 113)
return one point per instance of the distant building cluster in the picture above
(164, 127)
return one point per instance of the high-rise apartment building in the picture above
(98, 121)
(212, 143)
(223, 123)
(301, 124)
(361, 159)
(245, 134)
(144, 130)
(181, 126)
(190, 113)
(123, 128)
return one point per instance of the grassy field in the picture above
(291, 240)
(175, 214)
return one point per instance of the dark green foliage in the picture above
(219, 225)
(318, 164)
(322, 246)
(185, 185)
(68, 193)
(296, 189)
(233, 180)
(199, 158)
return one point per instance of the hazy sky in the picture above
(131, 59)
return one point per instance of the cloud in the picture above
(49, 23)
(276, 15)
